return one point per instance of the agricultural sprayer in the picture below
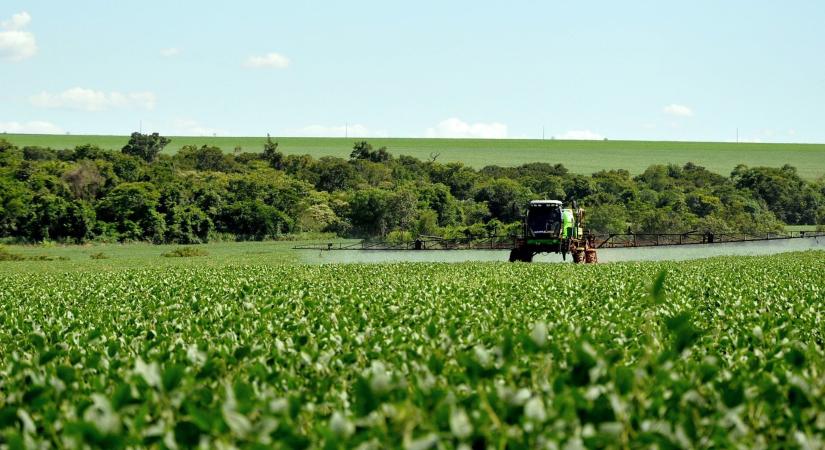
(549, 227)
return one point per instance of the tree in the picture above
(84, 180)
(335, 174)
(505, 198)
(702, 203)
(369, 212)
(15, 201)
(363, 151)
(437, 197)
(35, 153)
(783, 191)
(188, 224)
(317, 218)
(253, 219)
(427, 223)
(145, 146)
(606, 219)
(205, 158)
(132, 209)
(272, 155)
(54, 218)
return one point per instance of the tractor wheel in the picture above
(577, 257)
(514, 255)
(590, 256)
(521, 255)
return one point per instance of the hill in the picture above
(583, 157)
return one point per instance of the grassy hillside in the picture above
(579, 156)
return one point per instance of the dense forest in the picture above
(201, 194)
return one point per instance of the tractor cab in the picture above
(544, 220)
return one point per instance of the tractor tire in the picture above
(590, 256)
(577, 256)
(521, 255)
(514, 255)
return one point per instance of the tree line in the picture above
(201, 193)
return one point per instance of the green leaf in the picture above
(172, 376)
(187, 434)
(657, 291)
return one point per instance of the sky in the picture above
(648, 70)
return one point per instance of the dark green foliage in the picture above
(205, 159)
(145, 146)
(188, 224)
(783, 191)
(88, 193)
(131, 208)
(505, 199)
(363, 150)
(272, 155)
(254, 219)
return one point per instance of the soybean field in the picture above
(721, 352)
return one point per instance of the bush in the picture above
(5, 255)
(185, 252)
(98, 255)
(399, 237)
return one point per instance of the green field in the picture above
(583, 157)
(715, 353)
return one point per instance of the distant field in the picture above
(579, 156)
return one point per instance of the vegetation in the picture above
(6, 255)
(581, 157)
(184, 252)
(721, 353)
(201, 194)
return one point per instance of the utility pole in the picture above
(346, 130)
(542, 133)
(140, 127)
(737, 135)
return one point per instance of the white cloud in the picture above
(17, 22)
(170, 52)
(273, 60)
(351, 130)
(457, 128)
(678, 110)
(35, 127)
(190, 127)
(90, 100)
(580, 135)
(16, 44)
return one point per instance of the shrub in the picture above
(184, 252)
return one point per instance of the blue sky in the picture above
(653, 70)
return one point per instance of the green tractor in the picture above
(549, 228)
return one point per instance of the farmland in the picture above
(720, 352)
(583, 157)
